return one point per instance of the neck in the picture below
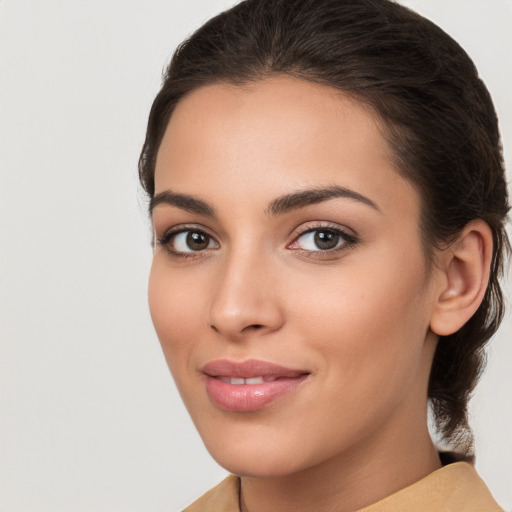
(357, 478)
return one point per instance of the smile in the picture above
(238, 381)
(249, 385)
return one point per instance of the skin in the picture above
(357, 318)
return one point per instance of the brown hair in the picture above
(437, 114)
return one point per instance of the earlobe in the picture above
(464, 267)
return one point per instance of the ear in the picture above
(464, 274)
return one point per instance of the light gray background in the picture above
(90, 419)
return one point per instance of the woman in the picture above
(328, 198)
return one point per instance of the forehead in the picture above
(274, 134)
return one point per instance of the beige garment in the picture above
(453, 488)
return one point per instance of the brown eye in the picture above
(191, 241)
(197, 241)
(321, 240)
(326, 240)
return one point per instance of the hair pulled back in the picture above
(436, 113)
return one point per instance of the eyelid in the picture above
(168, 235)
(180, 228)
(347, 234)
(319, 225)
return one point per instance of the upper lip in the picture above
(249, 368)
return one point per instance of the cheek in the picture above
(174, 306)
(369, 323)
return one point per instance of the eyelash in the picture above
(347, 241)
(166, 239)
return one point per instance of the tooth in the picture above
(254, 380)
(237, 380)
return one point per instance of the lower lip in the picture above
(249, 397)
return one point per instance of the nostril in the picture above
(248, 327)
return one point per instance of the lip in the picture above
(278, 381)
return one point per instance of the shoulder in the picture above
(454, 488)
(222, 498)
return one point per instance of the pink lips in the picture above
(249, 385)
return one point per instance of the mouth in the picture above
(239, 381)
(249, 385)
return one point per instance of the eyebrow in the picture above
(283, 204)
(183, 201)
(302, 198)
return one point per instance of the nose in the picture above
(245, 301)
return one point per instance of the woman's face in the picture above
(289, 289)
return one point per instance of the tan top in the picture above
(453, 488)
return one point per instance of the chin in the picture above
(258, 468)
(244, 458)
